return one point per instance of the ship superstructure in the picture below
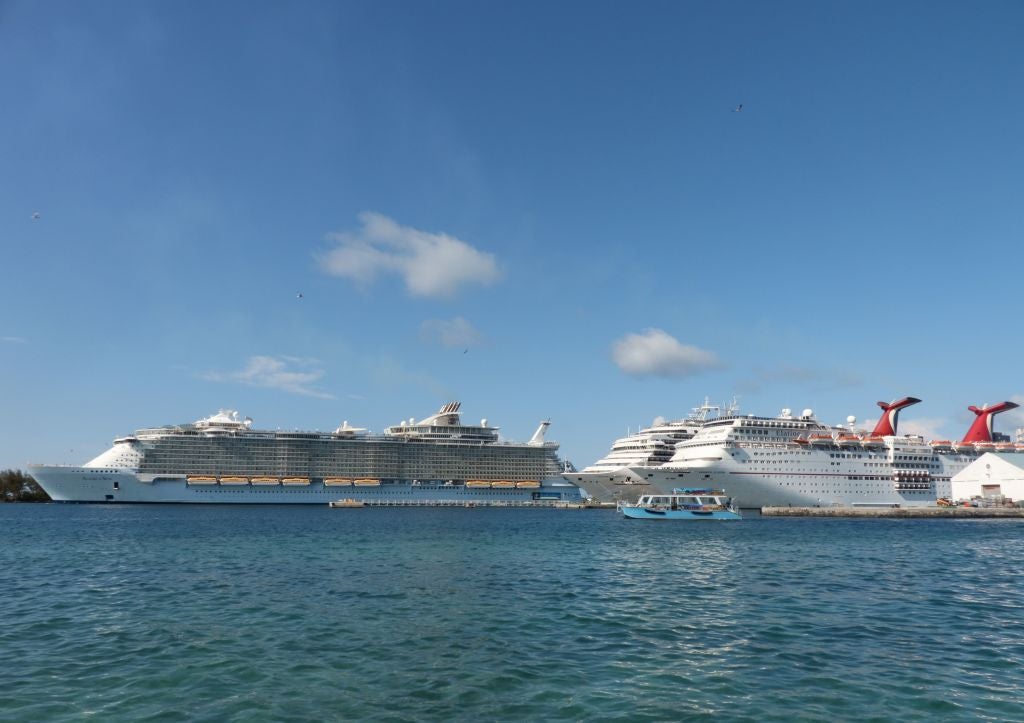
(797, 460)
(222, 458)
(612, 478)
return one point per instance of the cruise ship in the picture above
(797, 460)
(222, 459)
(612, 479)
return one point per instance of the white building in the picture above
(992, 474)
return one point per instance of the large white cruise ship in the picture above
(612, 479)
(222, 459)
(796, 460)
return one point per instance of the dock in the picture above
(964, 513)
(535, 504)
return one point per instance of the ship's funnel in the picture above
(538, 436)
(886, 426)
(981, 429)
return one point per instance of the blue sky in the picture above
(544, 210)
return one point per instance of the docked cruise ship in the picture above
(796, 460)
(612, 479)
(222, 459)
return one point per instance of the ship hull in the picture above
(756, 490)
(621, 485)
(79, 484)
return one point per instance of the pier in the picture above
(966, 513)
(546, 504)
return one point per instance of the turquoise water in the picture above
(256, 613)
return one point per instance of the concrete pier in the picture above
(536, 504)
(966, 513)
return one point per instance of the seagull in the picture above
(465, 351)
(738, 109)
(298, 295)
(36, 216)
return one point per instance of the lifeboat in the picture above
(984, 446)
(477, 483)
(366, 482)
(1019, 447)
(845, 440)
(338, 482)
(295, 481)
(821, 439)
(530, 484)
(1006, 447)
(799, 440)
(234, 480)
(872, 441)
(503, 484)
(264, 481)
(941, 444)
(202, 480)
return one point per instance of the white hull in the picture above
(622, 484)
(774, 489)
(82, 484)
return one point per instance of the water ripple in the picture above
(266, 614)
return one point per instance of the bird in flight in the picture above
(298, 295)
(36, 216)
(738, 109)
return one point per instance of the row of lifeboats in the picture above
(853, 440)
(349, 482)
(230, 481)
(945, 444)
(842, 440)
(502, 484)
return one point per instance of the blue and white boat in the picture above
(683, 504)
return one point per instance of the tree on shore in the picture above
(16, 486)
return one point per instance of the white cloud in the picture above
(12, 340)
(451, 333)
(927, 427)
(274, 373)
(432, 264)
(656, 353)
(1008, 422)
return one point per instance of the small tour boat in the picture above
(683, 504)
(348, 502)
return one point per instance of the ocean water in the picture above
(253, 613)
